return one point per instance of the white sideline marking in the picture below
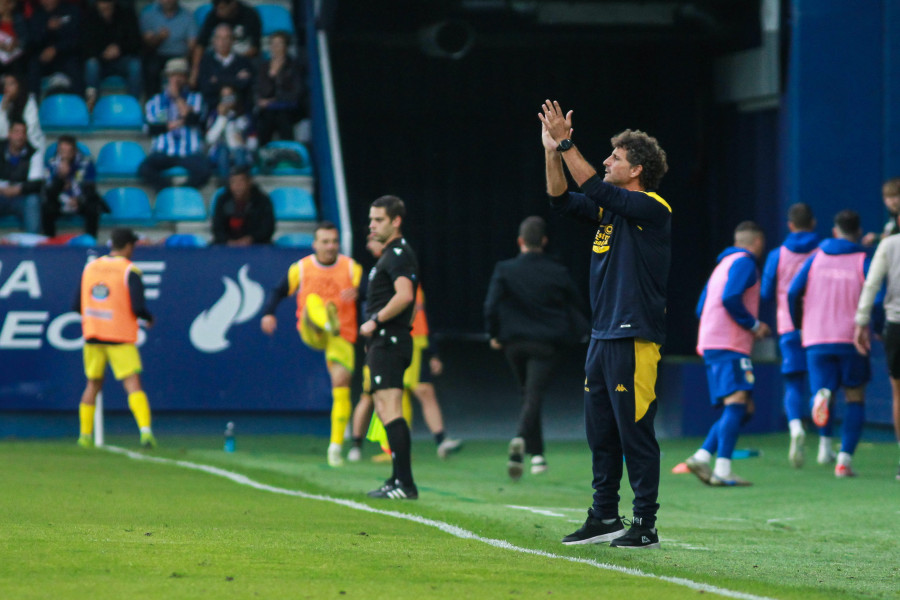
(445, 527)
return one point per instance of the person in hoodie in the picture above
(729, 324)
(823, 298)
(781, 265)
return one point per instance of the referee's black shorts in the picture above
(390, 353)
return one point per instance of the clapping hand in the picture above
(558, 126)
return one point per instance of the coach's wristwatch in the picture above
(564, 145)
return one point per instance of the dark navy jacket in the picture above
(632, 252)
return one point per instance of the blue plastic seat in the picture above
(214, 199)
(113, 82)
(118, 111)
(50, 152)
(274, 18)
(175, 172)
(200, 14)
(64, 111)
(120, 159)
(128, 205)
(285, 167)
(185, 240)
(179, 204)
(293, 204)
(85, 240)
(295, 240)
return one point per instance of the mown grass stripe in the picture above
(440, 525)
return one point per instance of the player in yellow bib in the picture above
(111, 301)
(326, 286)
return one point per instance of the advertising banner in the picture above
(204, 352)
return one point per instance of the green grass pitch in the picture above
(96, 524)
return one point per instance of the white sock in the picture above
(723, 468)
(844, 459)
(796, 427)
(146, 430)
(703, 456)
(825, 444)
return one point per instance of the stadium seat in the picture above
(214, 199)
(175, 172)
(293, 204)
(64, 111)
(200, 14)
(113, 82)
(50, 152)
(185, 240)
(179, 204)
(120, 159)
(118, 111)
(274, 18)
(295, 240)
(84, 240)
(280, 158)
(128, 205)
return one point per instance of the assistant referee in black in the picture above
(390, 309)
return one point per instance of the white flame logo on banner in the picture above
(237, 305)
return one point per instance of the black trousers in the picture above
(619, 408)
(532, 364)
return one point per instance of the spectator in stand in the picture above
(243, 214)
(229, 135)
(246, 28)
(13, 37)
(19, 105)
(112, 46)
(223, 67)
(21, 172)
(54, 41)
(281, 90)
(169, 31)
(71, 188)
(173, 118)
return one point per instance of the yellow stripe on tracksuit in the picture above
(646, 359)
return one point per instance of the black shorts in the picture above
(387, 358)
(892, 348)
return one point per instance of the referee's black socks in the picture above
(399, 440)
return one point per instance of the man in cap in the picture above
(173, 119)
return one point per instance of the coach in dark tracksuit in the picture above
(629, 273)
(530, 310)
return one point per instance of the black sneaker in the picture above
(638, 536)
(595, 531)
(394, 490)
(516, 455)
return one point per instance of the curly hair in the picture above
(643, 150)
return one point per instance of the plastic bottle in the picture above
(229, 437)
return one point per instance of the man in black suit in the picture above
(532, 307)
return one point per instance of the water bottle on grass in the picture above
(229, 437)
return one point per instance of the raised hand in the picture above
(558, 126)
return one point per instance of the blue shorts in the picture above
(727, 373)
(793, 355)
(837, 368)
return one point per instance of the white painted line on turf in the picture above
(442, 526)
(535, 510)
